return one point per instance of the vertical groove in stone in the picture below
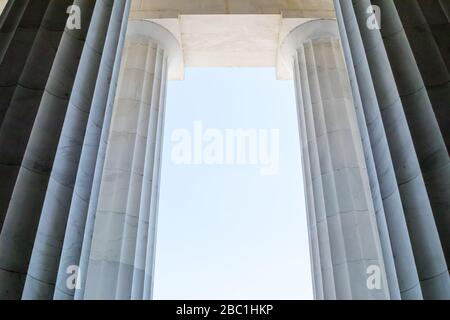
(88, 227)
(341, 186)
(160, 103)
(16, 54)
(422, 87)
(132, 215)
(98, 119)
(318, 73)
(398, 231)
(423, 233)
(446, 7)
(5, 7)
(42, 271)
(104, 261)
(306, 163)
(371, 247)
(429, 145)
(116, 241)
(439, 25)
(20, 226)
(380, 213)
(436, 77)
(329, 291)
(10, 22)
(23, 75)
(145, 201)
(344, 163)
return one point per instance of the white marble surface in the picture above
(122, 252)
(343, 229)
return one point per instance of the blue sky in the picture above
(228, 232)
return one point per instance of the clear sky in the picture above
(228, 232)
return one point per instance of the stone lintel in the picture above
(231, 33)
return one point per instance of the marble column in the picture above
(418, 102)
(47, 248)
(5, 5)
(342, 221)
(364, 92)
(121, 255)
(9, 21)
(67, 97)
(92, 155)
(388, 78)
(427, 27)
(24, 71)
(377, 189)
(28, 173)
(431, 50)
(19, 48)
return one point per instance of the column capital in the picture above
(144, 30)
(312, 30)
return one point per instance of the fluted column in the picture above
(364, 91)
(432, 55)
(68, 111)
(428, 140)
(47, 248)
(369, 154)
(24, 71)
(320, 249)
(338, 190)
(433, 58)
(5, 5)
(22, 217)
(446, 7)
(22, 46)
(120, 263)
(10, 19)
(92, 155)
(388, 78)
